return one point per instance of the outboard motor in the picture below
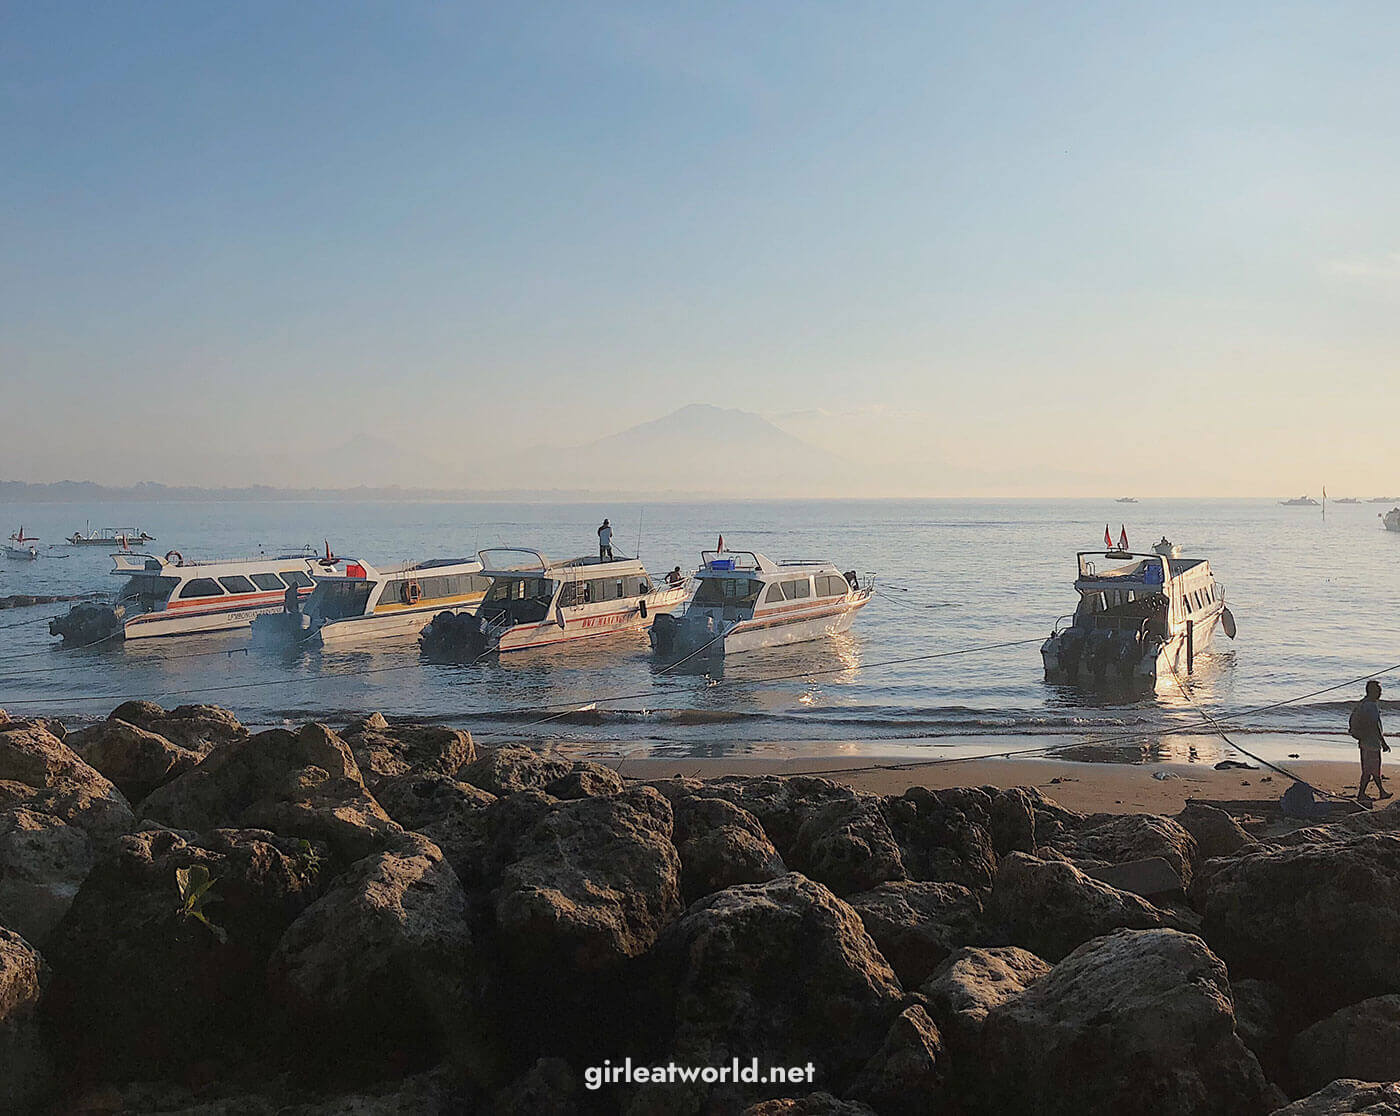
(453, 637)
(663, 633)
(88, 623)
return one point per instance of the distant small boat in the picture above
(23, 550)
(1126, 500)
(1346, 500)
(120, 537)
(1299, 502)
(1383, 500)
(1391, 519)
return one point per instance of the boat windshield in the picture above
(339, 600)
(518, 600)
(732, 592)
(148, 591)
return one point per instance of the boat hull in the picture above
(1141, 670)
(22, 553)
(686, 640)
(151, 625)
(408, 622)
(597, 621)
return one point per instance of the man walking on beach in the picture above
(605, 542)
(1365, 726)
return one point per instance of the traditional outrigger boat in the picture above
(744, 601)
(1139, 620)
(169, 596)
(368, 602)
(23, 549)
(123, 538)
(534, 602)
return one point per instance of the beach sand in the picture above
(1087, 787)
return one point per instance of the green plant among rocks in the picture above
(196, 889)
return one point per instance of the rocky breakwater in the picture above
(383, 918)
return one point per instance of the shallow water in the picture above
(1316, 599)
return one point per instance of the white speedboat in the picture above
(169, 596)
(1391, 519)
(534, 602)
(1138, 620)
(21, 547)
(368, 602)
(744, 601)
(1299, 502)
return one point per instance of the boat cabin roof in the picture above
(135, 565)
(730, 562)
(1133, 569)
(512, 561)
(359, 569)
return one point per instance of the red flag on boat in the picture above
(719, 547)
(1122, 537)
(1107, 536)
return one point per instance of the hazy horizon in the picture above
(1008, 250)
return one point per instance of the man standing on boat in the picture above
(675, 577)
(605, 553)
(1365, 726)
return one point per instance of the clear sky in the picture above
(1035, 247)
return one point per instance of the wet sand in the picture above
(1088, 787)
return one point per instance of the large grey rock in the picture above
(134, 759)
(26, 1066)
(813, 1104)
(40, 772)
(1359, 1040)
(973, 981)
(905, 1077)
(1104, 839)
(1374, 1098)
(200, 728)
(1322, 918)
(143, 986)
(847, 845)
(1138, 1021)
(514, 768)
(1011, 820)
(240, 773)
(1050, 907)
(720, 844)
(385, 751)
(1215, 832)
(917, 925)
(943, 835)
(43, 862)
(337, 810)
(781, 971)
(443, 809)
(382, 958)
(586, 883)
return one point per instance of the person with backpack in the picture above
(1365, 728)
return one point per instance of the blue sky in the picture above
(952, 240)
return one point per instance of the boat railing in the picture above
(725, 561)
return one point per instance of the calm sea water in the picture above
(1317, 601)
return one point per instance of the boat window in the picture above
(521, 588)
(775, 593)
(339, 599)
(569, 596)
(268, 582)
(297, 578)
(237, 583)
(795, 590)
(149, 591)
(394, 593)
(741, 591)
(201, 587)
